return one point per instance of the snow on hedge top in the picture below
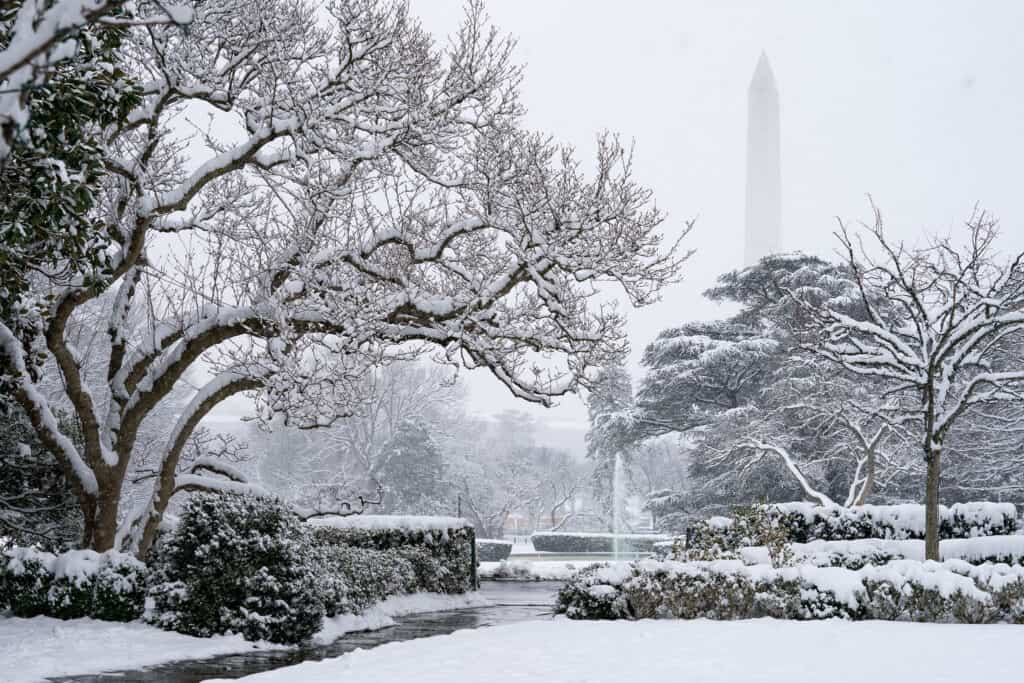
(385, 522)
(908, 517)
(656, 537)
(77, 566)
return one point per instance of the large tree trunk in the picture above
(933, 458)
(105, 530)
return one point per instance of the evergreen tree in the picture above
(413, 474)
(49, 223)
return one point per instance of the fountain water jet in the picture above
(618, 502)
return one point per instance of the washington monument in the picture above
(764, 183)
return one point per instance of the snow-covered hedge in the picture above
(439, 549)
(348, 580)
(805, 522)
(78, 583)
(856, 554)
(492, 550)
(565, 542)
(236, 563)
(953, 591)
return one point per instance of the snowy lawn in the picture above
(41, 647)
(762, 650)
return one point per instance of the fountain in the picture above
(618, 505)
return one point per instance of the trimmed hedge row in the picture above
(442, 558)
(953, 591)
(491, 550)
(79, 583)
(805, 522)
(563, 542)
(856, 554)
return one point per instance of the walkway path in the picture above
(513, 602)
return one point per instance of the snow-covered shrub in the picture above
(25, 578)
(236, 563)
(119, 591)
(753, 526)
(590, 596)
(447, 541)
(492, 550)
(953, 591)
(78, 583)
(805, 522)
(566, 542)
(71, 584)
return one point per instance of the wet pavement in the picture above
(513, 601)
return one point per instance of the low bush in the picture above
(25, 579)
(491, 550)
(565, 542)
(236, 563)
(78, 583)
(953, 591)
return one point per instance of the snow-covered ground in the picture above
(522, 545)
(41, 647)
(760, 650)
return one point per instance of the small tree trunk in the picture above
(931, 503)
(869, 483)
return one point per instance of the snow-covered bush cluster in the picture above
(78, 583)
(236, 563)
(250, 565)
(952, 591)
(491, 550)
(564, 542)
(804, 522)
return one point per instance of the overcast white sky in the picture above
(919, 103)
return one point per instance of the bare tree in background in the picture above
(936, 346)
(364, 195)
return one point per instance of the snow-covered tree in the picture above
(359, 194)
(61, 85)
(937, 344)
(747, 397)
(392, 398)
(413, 477)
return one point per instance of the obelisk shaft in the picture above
(764, 174)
